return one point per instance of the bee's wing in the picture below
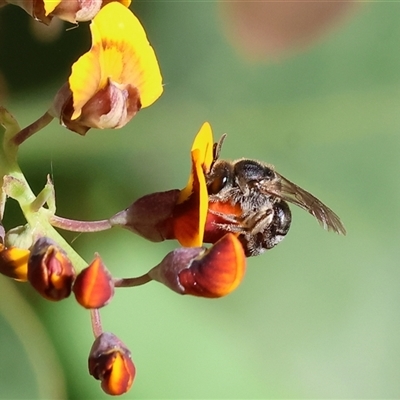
(292, 193)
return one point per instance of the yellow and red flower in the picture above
(184, 214)
(175, 214)
(213, 272)
(117, 77)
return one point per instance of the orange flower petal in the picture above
(121, 377)
(218, 271)
(120, 53)
(208, 273)
(192, 206)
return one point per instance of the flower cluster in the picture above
(239, 209)
(107, 86)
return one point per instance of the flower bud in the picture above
(93, 287)
(110, 362)
(14, 262)
(50, 271)
(206, 273)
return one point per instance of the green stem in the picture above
(15, 185)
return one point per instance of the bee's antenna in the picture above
(217, 147)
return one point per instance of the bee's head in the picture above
(251, 174)
(220, 177)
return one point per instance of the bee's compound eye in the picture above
(218, 184)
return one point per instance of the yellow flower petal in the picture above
(50, 5)
(192, 205)
(121, 53)
(202, 155)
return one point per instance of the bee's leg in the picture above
(227, 217)
(231, 228)
(233, 224)
(258, 223)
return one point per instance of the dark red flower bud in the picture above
(93, 287)
(206, 273)
(50, 271)
(110, 362)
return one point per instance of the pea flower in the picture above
(110, 362)
(175, 214)
(117, 77)
(68, 10)
(213, 272)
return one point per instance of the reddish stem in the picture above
(130, 282)
(79, 226)
(96, 322)
(34, 127)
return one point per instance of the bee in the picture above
(261, 195)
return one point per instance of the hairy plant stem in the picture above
(130, 282)
(31, 129)
(79, 226)
(96, 322)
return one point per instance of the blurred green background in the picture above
(316, 317)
